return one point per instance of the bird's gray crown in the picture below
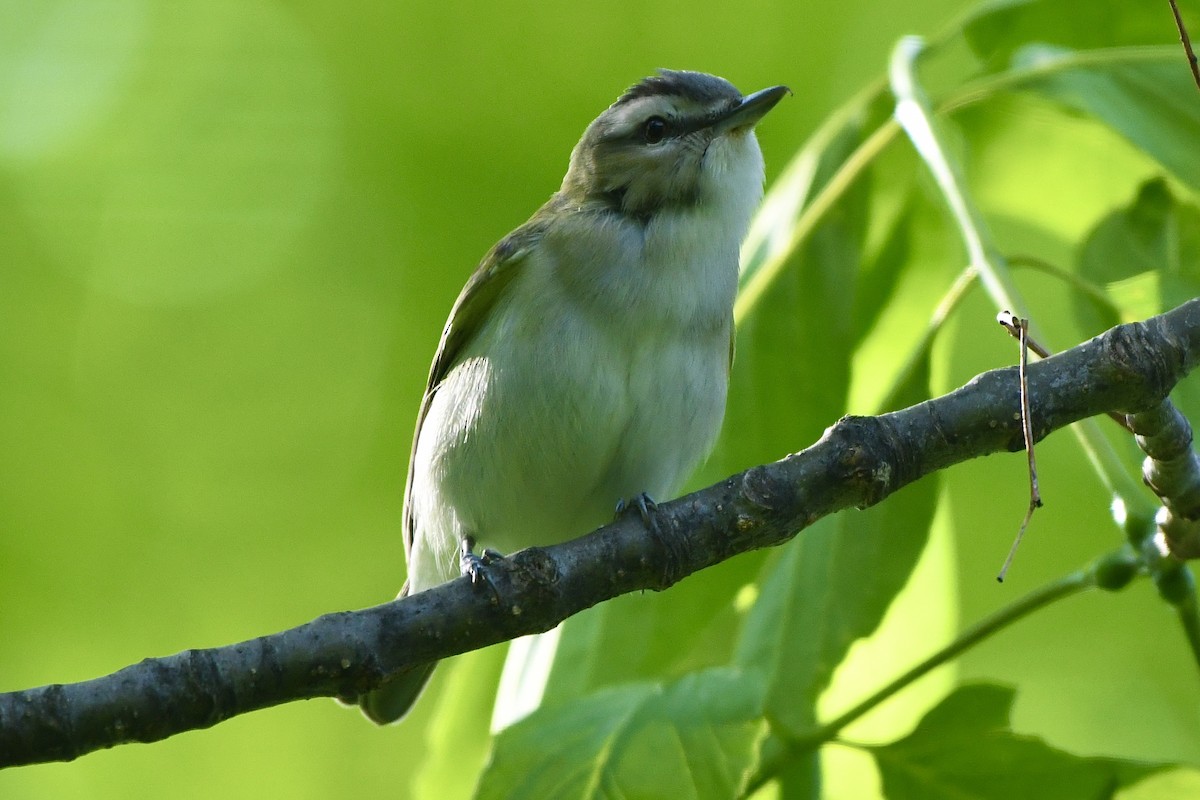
(699, 87)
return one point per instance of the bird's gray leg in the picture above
(475, 566)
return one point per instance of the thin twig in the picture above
(1035, 496)
(1187, 43)
(1012, 323)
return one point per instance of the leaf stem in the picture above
(1070, 584)
(1071, 279)
(766, 273)
(1066, 586)
(916, 115)
(759, 276)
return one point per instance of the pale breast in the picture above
(569, 401)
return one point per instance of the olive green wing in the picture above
(473, 306)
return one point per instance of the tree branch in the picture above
(857, 463)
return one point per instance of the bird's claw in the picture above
(673, 553)
(474, 566)
(646, 508)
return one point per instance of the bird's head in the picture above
(672, 141)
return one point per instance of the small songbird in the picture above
(586, 361)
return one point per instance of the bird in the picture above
(585, 363)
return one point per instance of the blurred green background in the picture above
(230, 233)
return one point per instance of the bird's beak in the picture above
(747, 113)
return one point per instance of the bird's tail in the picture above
(392, 700)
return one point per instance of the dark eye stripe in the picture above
(648, 131)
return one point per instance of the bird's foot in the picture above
(672, 546)
(646, 508)
(475, 566)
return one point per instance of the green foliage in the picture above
(1138, 96)
(232, 232)
(695, 737)
(816, 599)
(965, 747)
(1144, 257)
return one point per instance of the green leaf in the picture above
(1146, 257)
(801, 198)
(965, 748)
(457, 732)
(880, 274)
(1149, 99)
(644, 636)
(996, 30)
(697, 737)
(831, 586)
(1170, 783)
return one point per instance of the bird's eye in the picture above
(654, 130)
